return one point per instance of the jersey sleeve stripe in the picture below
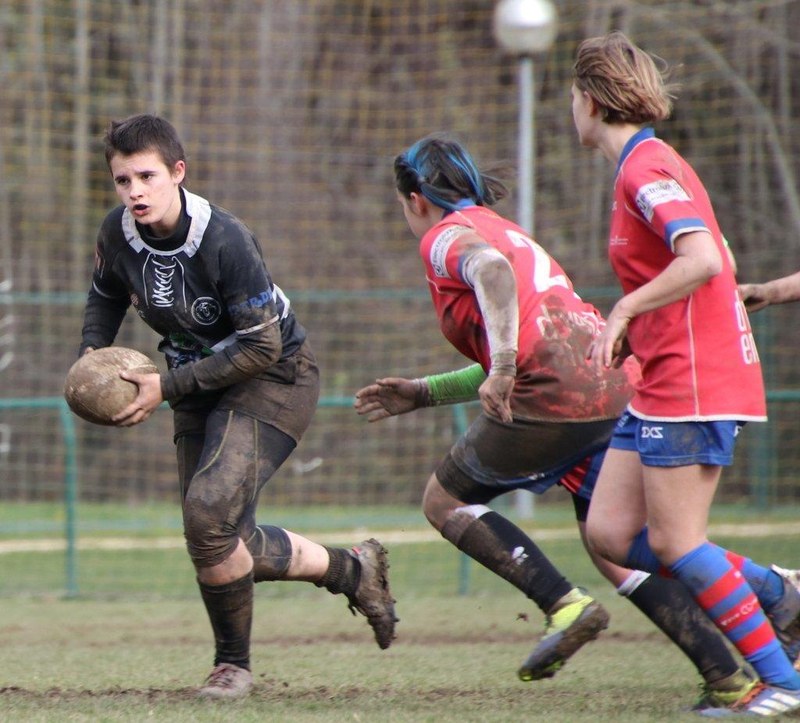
(677, 228)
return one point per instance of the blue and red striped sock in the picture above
(722, 591)
(767, 584)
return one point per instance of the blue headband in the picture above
(466, 165)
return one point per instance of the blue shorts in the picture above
(677, 444)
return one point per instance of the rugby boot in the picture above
(785, 615)
(726, 692)
(227, 681)
(576, 619)
(372, 597)
(766, 701)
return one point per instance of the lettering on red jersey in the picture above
(747, 343)
(654, 194)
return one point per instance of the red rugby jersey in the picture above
(554, 380)
(699, 360)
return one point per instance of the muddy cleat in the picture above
(785, 616)
(763, 700)
(372, 596)
(227, 681)
(725, 693)
(567, 629)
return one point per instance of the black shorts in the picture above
(493, 457)
(284, 396)
(228, 452)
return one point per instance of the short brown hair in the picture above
(628, 84)
(140, 133)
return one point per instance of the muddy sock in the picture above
(230, 610)
(675, 612)
(499, 545)
(271, 551)
(343, 572)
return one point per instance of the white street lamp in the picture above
(524, 28)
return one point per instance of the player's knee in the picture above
(597, 542)
(460, 519)
(605, 542)
(435, 512)
(437, 503)
(432, 514)
(665, 546)
(209, 540)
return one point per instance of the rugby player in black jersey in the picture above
(241, 380)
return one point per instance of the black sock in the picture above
(230, 610)
(271, 550)
(671, 607)
(499, 545)
(343, 572)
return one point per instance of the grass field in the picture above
(139, 657)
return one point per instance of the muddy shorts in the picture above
(493, 458)
(226, 455)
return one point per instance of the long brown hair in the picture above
(628, 84)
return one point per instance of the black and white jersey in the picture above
(201, 289)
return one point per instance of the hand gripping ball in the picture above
(94, 389)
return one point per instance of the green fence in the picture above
(63, 461)
(764, 452)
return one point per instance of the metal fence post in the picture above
(70, 498)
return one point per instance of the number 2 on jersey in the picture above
(542, 279)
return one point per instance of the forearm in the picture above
(686, 273)
(782, 290)
(496, 291)
(247, 357)
(450, 387)
(102, 318)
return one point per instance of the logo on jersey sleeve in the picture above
(654, 194)
(439, 248)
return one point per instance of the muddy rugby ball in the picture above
(94, 389)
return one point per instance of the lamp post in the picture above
(524, 28)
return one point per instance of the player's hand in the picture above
(147, 400)
(622, 350)
(387, 398)
(754, 296)
(495, 396)
(610, 348)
